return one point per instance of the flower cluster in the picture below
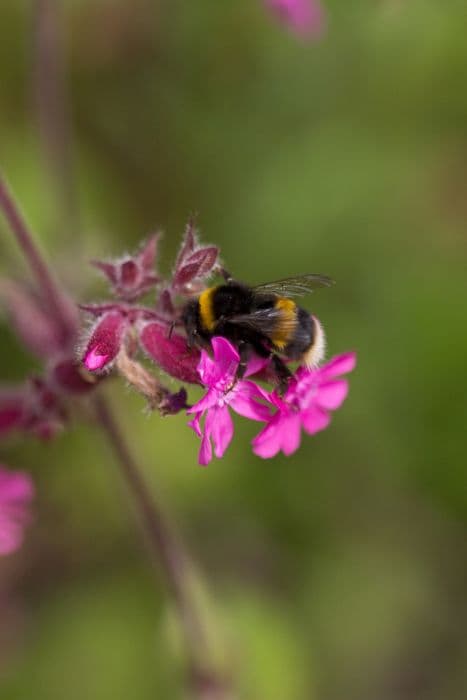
(124, 332)
(125, 328)
(310, 396)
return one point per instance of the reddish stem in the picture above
(59, 305)
(166, 549)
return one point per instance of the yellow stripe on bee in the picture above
(206, 309)
(286, 324)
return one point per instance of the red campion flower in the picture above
(306, 404)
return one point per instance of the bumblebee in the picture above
(263, 319)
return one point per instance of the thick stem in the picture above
(58, 304)
(167, 551)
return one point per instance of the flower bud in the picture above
(172, 353)
(106, 339)
(132, 275)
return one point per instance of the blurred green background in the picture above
(337, 573)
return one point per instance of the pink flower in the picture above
(304, 17)
(306, 404)
(16, 494)
(218, 374)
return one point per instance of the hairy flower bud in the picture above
(105, 341)
(132, 275)
(170, 352)
(194, 262)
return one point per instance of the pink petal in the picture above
(290, 434)
(210, 399)
(222, 368)
(220, 425)
(331, 394)
(315, 419)
(205, 451)
(225, 356)
(16, 493)
(282, 433)
(208, 370)
(11, 536)
(243, 397)
(105, 341)
(268, 442)
(15, 486)
(256, 364)
(94, 361)
(341, 364)
(195, 424)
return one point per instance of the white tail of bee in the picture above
(315, 354)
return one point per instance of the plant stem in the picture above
(205, 682)
(58, 303)
(166, 550)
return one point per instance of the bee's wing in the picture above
(295, 286)
(264, 321)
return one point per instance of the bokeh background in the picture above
(340, 572)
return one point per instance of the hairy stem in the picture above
(166, 551)
(57, 302)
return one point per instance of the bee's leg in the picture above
(244, 350)
(191, 338)
(224, 273)
(171, 329)
(283, 374)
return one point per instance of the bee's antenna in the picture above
(171, 329)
